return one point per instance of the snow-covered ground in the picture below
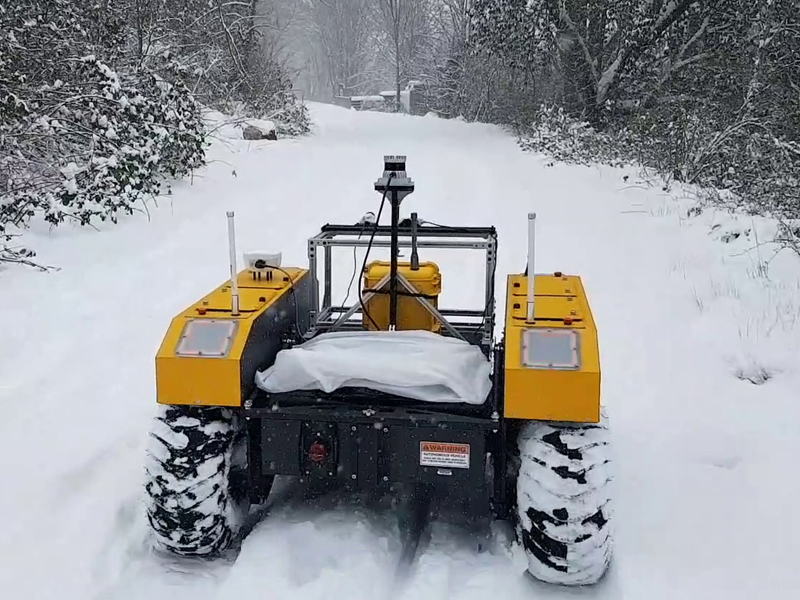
(706, 459)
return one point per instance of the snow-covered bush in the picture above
(291, 117)
(100, 101)
(566, 139)
(97, 149)
(80, 140)
(743, 165)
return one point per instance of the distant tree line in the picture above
(705, 92)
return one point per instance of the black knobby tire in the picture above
(193, 504)
(564, 501)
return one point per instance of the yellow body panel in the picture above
(216, 381)
(410, 313)
(545, 393)
(546, 285)
(562, 306)
(198, 381)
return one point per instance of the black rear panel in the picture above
(368, 448)
(359, 439)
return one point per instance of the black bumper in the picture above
(373, 448)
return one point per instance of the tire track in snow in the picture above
(297, 548)
(339, 545)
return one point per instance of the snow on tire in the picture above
(563, 501)
(190, 503)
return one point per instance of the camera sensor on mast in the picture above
(395, 178)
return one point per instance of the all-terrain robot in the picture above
(267, 376)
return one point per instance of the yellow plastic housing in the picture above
(411, 315)
(218, 380)
(551, 391)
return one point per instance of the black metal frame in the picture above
(474, 325)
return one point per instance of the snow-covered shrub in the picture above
(289, 114)
(761, 170)
(743, 164)
(291, 117)
(79, 140)
(566, 139)
(97, 149)
(16, 254)
(740, 161)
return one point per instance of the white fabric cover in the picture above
(414, 364)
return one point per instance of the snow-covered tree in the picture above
(402, 34)
(338, 33)
(224, 50)
(703, 91)
(100, 100)
(597, 45)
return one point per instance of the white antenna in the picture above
(531, 248)
(234, 282)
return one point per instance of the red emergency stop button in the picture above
(317, 452)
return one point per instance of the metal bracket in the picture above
(467, 238)
(429, 307)
(410, 289)
(354, 309)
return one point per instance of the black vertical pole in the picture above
(414, 253)
(393, 264)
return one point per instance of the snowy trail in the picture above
(706, 499)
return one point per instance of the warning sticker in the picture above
(443, 454)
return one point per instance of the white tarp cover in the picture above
(414, 364)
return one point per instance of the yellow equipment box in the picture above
(426, 281)
(552, 370)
